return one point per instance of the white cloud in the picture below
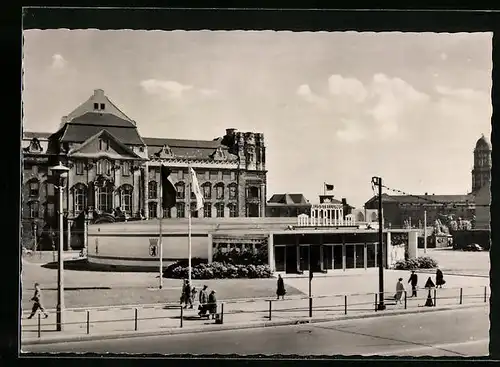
(350, 87)
(351, 132)
(58, 61)
(464, 93)
(307, 94)
(165, 88)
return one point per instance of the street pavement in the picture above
(161, 317)
(440, 333)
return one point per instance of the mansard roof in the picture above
(288, 199)
(194, 149)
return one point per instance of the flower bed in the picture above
(422, 262)
(217, 270)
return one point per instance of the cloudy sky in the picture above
(336, 107)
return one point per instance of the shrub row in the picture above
(241, 257)
(217, 270)
(422, 262)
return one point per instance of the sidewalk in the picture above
(166, 319)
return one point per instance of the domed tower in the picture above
(481, 174)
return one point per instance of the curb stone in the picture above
(237, 326)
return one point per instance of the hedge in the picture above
(218, 270)
(241, 257)
(421, 262)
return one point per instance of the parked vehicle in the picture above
(473, 247)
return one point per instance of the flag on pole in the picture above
(196, 190)
(169, 192)
(328, 187)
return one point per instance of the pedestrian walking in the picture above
(187, 295)
(414, 283)
(400, 288)
(429, 285)
(439, 278)
(194, 292)
(280, 290)
(212, 304)
(203, 299)
(37, 302)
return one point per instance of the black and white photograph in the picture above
(239, 192)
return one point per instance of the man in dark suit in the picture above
(414, 281)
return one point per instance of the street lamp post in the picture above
(61, 173)
(380, 253)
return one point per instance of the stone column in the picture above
(214, 211)
(201, 213)
(173, 212)
(412, 244)
(262, 200)
(85, 235)
(387, 249)
(69, 233)
(146, 191)
(226, 211)
(210, 248)
(270, 252)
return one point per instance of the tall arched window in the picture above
(194, 212)
(233, 210)
(79, 198)
(34, 188)
(253, 192)
(232, 192)
(34, 208)
(220, 210)
(126, 199)
(152, 212)
(152, 190)
(180, 188)
(105, 199)
(219, 188)
(207, 190)
(180, 210)
(207, 210)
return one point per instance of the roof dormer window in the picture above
(103, 106)
(103, 144)
(96, 106)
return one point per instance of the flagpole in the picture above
(324, 188)
(189, 222)
(161, 229)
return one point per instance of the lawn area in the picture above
(460, 262)
(92, 288)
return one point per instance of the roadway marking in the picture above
(443, 347)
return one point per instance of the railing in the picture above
(131, 318)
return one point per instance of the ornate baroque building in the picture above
(114, 169)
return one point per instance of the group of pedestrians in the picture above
(413, 281)
(207, 301)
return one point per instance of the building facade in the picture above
(114, 170)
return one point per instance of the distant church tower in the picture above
(481, 174)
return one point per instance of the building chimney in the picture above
(98, 93)
(344, 201)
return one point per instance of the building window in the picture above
(105, 199)
(220, 191)
(180, 188)
(152, 210)
(104, 167)
(194, 212)
(50, 209)
(207, 175)
(167, 213)
(79, 168)
(152, 190)
(96, 106)
(207, 191)
(34, 188)
(233, 176)
(141, 149)
(253, 192)
(103, 106)
(207, 210)
(103, 144)
(220, 210)
(233, 213)
(126, 168)
(79, 198)
(180, 210)
(232, 192)
(227, 175)
(34, 209)
(214, 175)
(180, 174)
(152, 174)
(126, 199)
